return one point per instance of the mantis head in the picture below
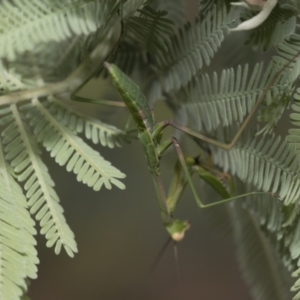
(177, 229)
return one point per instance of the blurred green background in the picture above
(119, 233)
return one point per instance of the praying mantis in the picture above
(150, 137)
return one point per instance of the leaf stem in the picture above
(66, 86)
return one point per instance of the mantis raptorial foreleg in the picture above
(175, 227)
(176, 187)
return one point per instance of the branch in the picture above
(66, 86)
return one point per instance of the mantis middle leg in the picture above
(193, 189)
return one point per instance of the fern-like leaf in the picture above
(18, 256)
(51, 64)
(130, 7)
(262, 269)
(288, 49)
(225, 100)
(10, 81)
(70, 150)
(129, 57)
(282, 226)
(20, 33)
(280, 23)
(293, 137)
(24, 156)
(145, 33)
(149, 29)
(268, 164)
(93, 129)
(189, 50)
(176, 10)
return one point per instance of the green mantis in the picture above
(150, 137)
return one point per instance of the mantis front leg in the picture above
(175, 227)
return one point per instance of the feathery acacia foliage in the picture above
(48, 48)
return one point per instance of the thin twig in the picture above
(66, 86)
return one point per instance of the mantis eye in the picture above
(265, 7)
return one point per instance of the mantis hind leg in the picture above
(245, 123)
